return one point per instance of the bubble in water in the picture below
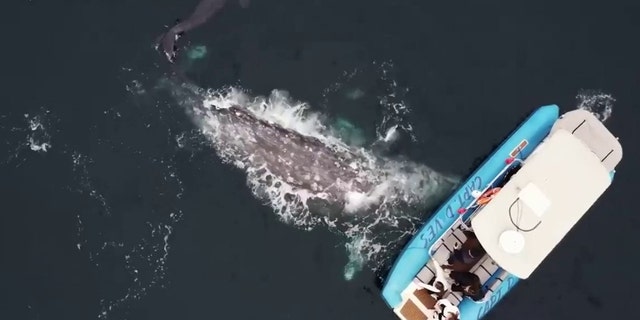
(597, 102)
(355, 94)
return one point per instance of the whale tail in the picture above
(203, 11)
(166, 42)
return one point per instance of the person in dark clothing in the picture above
(467, 283)
(470, 251)
(465, 255)
(510, 172)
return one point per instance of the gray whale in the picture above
(323, 177)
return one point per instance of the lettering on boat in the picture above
(465, 196)
(436, 226)
(518, 148)
(495, 297)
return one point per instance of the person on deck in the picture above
(446, 310)
(466, 255)
(470, 251)
(467, 283)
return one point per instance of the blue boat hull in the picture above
(416, 253)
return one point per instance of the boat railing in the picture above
(474, 203)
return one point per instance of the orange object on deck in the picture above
(487, 196)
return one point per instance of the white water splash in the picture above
(390, 96)
(597, 102)
(388, 211)
(138, 252)
(39, 139)
(35, 134)
(145, 262)
(396, 109)
(85, 185)
(144, 259)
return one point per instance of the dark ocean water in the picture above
(127, 213)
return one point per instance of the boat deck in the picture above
(419, 303)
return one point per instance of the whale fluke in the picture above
(203, 12)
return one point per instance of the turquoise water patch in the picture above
(197, 52)
(356, 260)
(348, 133)
(354, 94)
(194, 55)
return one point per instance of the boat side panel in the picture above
(415, 255)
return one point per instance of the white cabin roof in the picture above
(555, 187)
(584, 125)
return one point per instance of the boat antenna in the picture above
(517, 201)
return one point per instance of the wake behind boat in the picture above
(505, 219)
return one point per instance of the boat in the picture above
(505, 219)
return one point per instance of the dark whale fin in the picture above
(391, 145)
(203, 11)
(168, 40)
